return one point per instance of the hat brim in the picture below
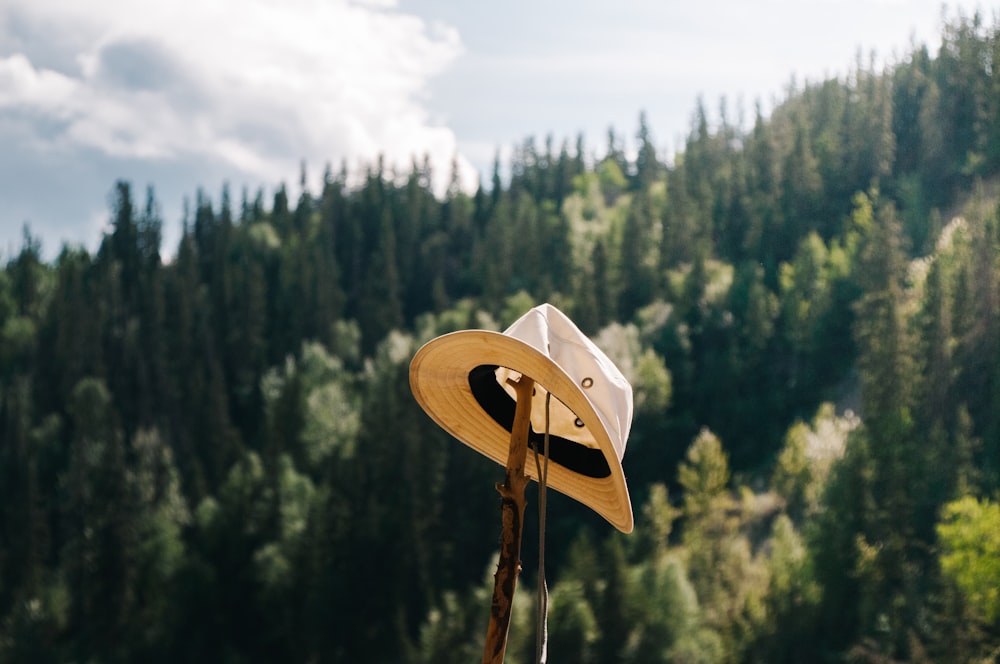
(440, 381)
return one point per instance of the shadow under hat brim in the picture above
(439, 379)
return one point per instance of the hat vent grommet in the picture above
(578, 423)
(587, 382)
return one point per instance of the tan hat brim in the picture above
(439, 379)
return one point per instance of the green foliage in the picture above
(804, 463)
(656, 522)
(314, 406)
(449, 633)
(665, 611)
(791, 583)
(969, 532)
(573, 627)
(611, 179)
(704, 475)
(793, 476)
(729, 580)
(787, 632)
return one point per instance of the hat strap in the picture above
(542, 626)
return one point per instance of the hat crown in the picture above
(554, 335)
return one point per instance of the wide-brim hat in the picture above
(460, 380)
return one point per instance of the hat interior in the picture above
(498, 404)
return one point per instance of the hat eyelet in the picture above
(587, 382)
(579, 423)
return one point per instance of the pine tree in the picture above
(382, 310)
(763, 174)
(637, 282)
(720, 567)
(801, 192)
(938, 344)
(889, 551)
(647, 167)
(910, 87)
(98, 555)
(963, 78)
(678, 224)
(979, 333)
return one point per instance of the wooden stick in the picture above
(512, 503)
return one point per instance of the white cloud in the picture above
(22, 85)
(257, 85)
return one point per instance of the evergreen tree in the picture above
(647, 167)
(882, 531)
(98, 555)
(801, 192)
(637, 282)
(383, 309)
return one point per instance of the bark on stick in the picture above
(512, 503)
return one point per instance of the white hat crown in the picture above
(554, 335)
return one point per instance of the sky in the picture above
(191, 95)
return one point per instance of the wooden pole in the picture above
(512, 503)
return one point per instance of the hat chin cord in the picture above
(542, 470)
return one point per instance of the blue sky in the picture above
(194, 94)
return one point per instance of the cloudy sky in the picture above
(191, 94)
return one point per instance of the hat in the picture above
(460, 380)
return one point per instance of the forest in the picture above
(210, 452)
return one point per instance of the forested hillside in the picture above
(217, 458)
